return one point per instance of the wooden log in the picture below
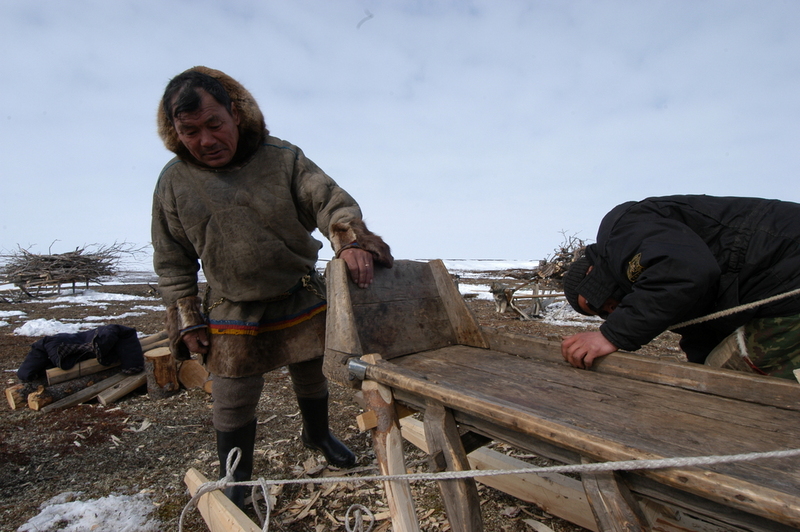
(122, 388)
(387, 443)
(81, 369)
(148, 341)
(162, 373)
(39, 399)
(14, 396)
(192, 374)
(59, 391)
(218, 511)
(87, 394)
(460, 496)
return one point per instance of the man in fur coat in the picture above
(244, 204)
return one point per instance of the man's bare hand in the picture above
(581, 349)
(359, 263)
(197, 341)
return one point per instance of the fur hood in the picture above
(252, 128)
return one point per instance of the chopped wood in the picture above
(192, 374)
(81, 369)
(14, 396)
(19, 396)
(122, 388)
(162, 373)
(86, 394)
(39, 399)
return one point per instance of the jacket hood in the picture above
(252, 127)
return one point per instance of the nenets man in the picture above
(243, 204)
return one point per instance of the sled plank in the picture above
(218, 511)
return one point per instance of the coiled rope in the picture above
(624, 465)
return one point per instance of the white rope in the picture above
(625, 465)
(358, 526)
(734, 310)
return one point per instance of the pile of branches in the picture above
(570, 250)
(552, 269)
(29, 270)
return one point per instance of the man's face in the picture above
(608, 307)
(210, 133)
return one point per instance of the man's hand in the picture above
(196, 341)
(581, 349)
(359, 263)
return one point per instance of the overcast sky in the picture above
(486, 129)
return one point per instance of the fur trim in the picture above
(344, 234)
(184, 315)
(252, 128)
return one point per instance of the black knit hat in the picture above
(574, 277)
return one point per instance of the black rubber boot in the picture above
(316, 434)
(245, 439)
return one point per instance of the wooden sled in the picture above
(426, 352)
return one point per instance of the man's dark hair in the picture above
(181, 94)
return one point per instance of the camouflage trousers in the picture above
(769, 346)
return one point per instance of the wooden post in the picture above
(162, 374)
(612, 503)
(387, 443)
(447, 453)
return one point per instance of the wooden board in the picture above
(605, 417)
(665, 370)
(218, 511)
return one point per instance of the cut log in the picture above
(162, 373)
(86, 394)
(57, 392)
(192, 374)
(81, 369)
(122, 388)
(39, 399)
(14, 396)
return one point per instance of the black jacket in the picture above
(109, 344)
(675, 258)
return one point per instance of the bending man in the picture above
(664, 261)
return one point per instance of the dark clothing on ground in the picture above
(671, 259)
(109, 344)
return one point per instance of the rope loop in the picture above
(358, 526)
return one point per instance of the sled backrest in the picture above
(409, 308)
